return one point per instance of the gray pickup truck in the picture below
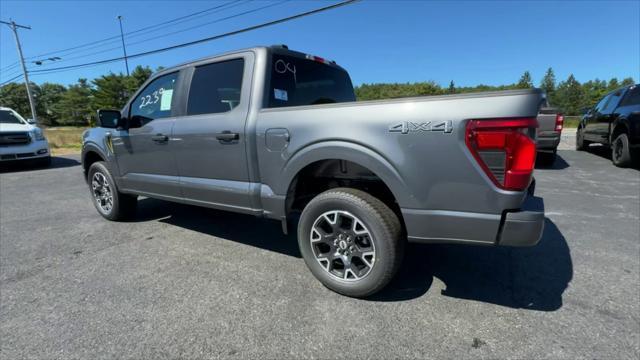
(277, 133)
(550, 124)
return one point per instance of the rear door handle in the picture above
(160, 138)
(227, 136)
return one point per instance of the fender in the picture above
(620, 121)
(107, 156)
(349, 151)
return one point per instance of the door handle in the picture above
(227, 136)
(160, 138)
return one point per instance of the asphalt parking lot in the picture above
(185, 282)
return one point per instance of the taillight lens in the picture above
(559, 122)
(504, 150)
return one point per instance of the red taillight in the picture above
(559, 122)
(504, 150)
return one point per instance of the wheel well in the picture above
(323, 175)
(89, 158)
(619, 129)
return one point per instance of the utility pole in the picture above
(32, 102)
(124, 49)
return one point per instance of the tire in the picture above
(621, 151)
(110, 203)
(362, 224)
(581, 143)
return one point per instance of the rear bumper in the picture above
(513, 228)
(548, 141)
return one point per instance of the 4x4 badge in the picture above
(406, 127)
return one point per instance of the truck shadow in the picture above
(526, 278)
(558, 164)
(529, 278)
(605, 153)
(31, 165)
(245, 229)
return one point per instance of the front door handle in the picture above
(227, 136)
(160, 138)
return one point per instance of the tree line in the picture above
(76, 104)
(569, 95)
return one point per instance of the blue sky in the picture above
(470, 42)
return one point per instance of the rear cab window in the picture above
(298, 80)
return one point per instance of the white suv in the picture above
(21, 140)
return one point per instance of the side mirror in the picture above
(31, 121)
(586, 110)
(110, 119)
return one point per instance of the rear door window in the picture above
(632, 98)
(215, 88)
(296, 81)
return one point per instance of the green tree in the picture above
(14, 95)
(452, 88)
(111, 91)
(627, 82)
(570, 96)
(548, 83)
(138, 76)
(525, 81)
(76, 106)
(48, 96)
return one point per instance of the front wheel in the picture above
(109, 202)
(621, 151)
(351, 241)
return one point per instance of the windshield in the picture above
(297, 81)
(9, 117)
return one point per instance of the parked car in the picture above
(278, 133)
(614, 122)
(550, 123)
(21, 140)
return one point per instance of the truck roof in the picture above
(280, 49)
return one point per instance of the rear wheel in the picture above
(581, 143)
(109, 202)
(351, 241)
(621, 151)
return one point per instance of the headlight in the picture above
(38, 135)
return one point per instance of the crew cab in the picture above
(278, 133)
(21, 140)
(614, 122)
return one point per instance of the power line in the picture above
(209, 23)
(145, 40)
(10, 80)
(9, 67)
(207, 39)
(113, 39)
(32, 104)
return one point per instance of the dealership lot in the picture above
(185, 282)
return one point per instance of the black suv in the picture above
(614, 122)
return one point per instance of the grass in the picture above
(64, 140)
(571, 121)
